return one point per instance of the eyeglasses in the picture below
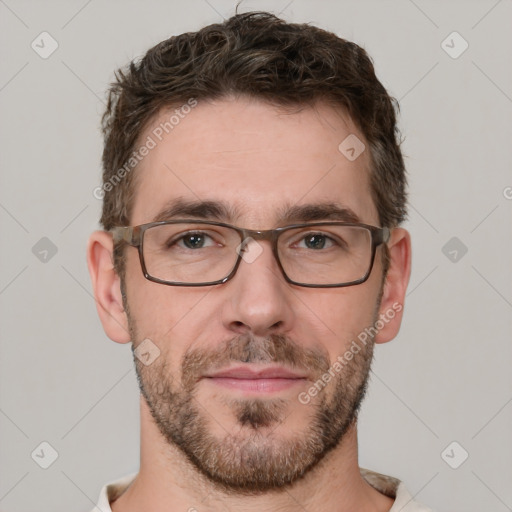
(205, 253)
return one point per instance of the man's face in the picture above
(252, 434)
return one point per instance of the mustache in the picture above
(247, 348)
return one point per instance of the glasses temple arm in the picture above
(124, 234)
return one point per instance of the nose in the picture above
(259, 300)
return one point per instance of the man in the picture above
(253, 191)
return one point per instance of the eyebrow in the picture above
(224, 212)
(316, 212)
(180, 207)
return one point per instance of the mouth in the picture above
(256, 379)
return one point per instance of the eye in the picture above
(317, 241)
(192, 240)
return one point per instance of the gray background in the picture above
(447, 375)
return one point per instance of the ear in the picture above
(395, 285)
(107, 287)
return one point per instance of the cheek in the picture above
(341, 315)
(152, 305)
(171, 316)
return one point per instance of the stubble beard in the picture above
(252, 458)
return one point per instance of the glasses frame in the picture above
(134, 236)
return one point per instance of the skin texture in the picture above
(213, 448)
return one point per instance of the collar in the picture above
(387, 485)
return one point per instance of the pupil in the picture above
(193, 241)
(315, 242)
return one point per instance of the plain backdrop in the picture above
(445, 379)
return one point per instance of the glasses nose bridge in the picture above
(260, 235)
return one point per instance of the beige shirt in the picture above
(391, 487)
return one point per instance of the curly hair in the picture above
(261, 56)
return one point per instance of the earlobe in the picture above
(107, 287)
(395, 286)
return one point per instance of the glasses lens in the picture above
(325, 254)
(190, 252)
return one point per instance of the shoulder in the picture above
(111, 491)
(394, 488)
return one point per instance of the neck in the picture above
(168, 481)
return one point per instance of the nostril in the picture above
(239, 326)
(277, 325)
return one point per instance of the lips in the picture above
(242, 372)
(254, 379)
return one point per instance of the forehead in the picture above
(253, 158)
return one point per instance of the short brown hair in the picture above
(261, 56)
